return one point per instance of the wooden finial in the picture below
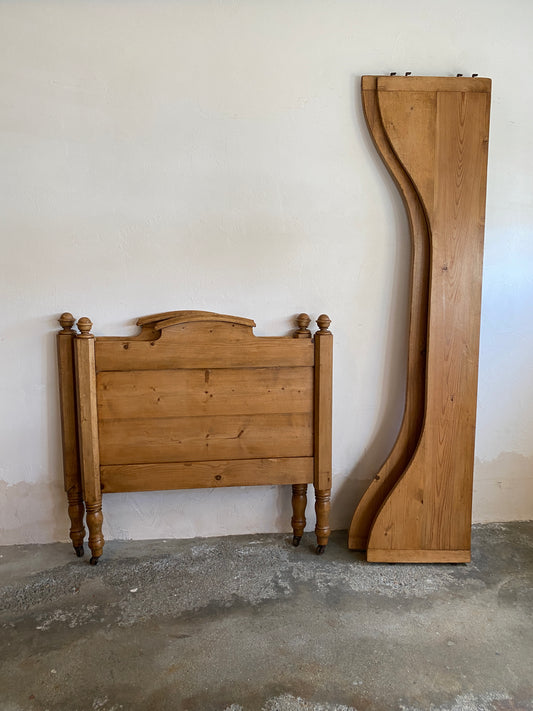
(66, 321)
(303, 322)
(323, 322)
(85, 324)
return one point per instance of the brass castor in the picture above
(93, 560)
(320, 550)
(79, 550)
(296, 540)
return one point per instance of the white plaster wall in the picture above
(159, 155)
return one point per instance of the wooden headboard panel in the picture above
(196, 400)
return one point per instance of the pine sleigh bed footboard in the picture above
(195, 400)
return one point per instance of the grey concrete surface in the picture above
(250, 623)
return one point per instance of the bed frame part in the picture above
(195, 400)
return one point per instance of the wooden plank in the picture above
(180, 393)
(224, 331)
(164, 354)
(430, 506)
(458, 230)
(171, 318)
(183, 439)
(411, 426)
(207, 323)
(412, 84)
(387, 555)
(194, 475)
(195, 326)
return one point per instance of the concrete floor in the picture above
(250, 623)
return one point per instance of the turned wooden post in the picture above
(299, 502)
(88, 434)
(322, 453)
(322, 508)
(299, 491)
(69, 432)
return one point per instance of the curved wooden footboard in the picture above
(411, 426)
(433, 135)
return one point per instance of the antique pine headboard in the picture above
(194, 400)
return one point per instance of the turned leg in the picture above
(322, 429)
(75, 512)
(94, 524)
(322, 530)
(299, 502)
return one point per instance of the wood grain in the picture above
(205, 474)
(196, 400)
(121, 354)
(388, 555)
(69, 430)
(184, 439)
(411, 426)
(429, 509)
(299, 503)
(182, 393)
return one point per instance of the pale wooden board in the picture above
(416, 127)
(122, 354)
(414, 84)
(194, 475)
(182, 439)
(388, 555)
(180, 393)
(429, 509)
